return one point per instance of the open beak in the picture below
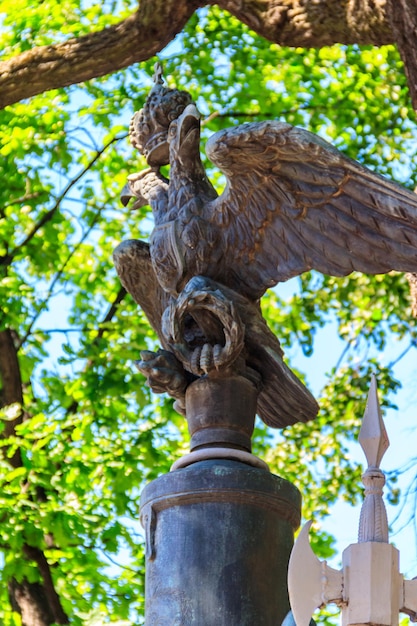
(189, 125)
(132, 190)
(126, 194)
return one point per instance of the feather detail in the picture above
(135, 270)
(293, 203)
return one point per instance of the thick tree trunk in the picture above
(11, 387)
(37, 603)
(28, 599)
(312, 23)
(402, 15)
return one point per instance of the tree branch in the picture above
(412, 344)
(110, 313)
(402, 15)
(340, 104)
(20, 200)
(135, 39)
(157, 22)
(100, 332)
(46, 217)
(314, 24)
(55, 280)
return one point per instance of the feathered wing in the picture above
(134, 267)
(294, 203)
(283, 398)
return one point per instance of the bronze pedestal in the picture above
(218, 538)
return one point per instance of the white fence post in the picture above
(369, 588)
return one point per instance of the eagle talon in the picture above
(206, 358)
(217, 355)
(164, 373)
(195, 366)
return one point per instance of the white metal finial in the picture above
(373, 523)
(372, 436)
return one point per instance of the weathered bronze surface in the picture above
(221, 412)
(291, 203)
(218, 539)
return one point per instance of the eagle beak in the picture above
(189, 125)
(136, 184)
(126, 194)
(129, 192)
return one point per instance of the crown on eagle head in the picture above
(149, 127)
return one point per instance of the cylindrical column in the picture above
(218, 539)
(221, 412)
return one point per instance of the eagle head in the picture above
(184, 136)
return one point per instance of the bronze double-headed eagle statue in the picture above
(291, 203)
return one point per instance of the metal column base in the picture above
(218, 539)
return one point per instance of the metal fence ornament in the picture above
(291, 203)
(369, 588)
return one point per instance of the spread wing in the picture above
(293, 203)
(135, 270)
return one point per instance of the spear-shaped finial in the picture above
(373, 438)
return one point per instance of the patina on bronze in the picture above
(219, 528)
(218, 540)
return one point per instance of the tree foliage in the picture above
(81, 433)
